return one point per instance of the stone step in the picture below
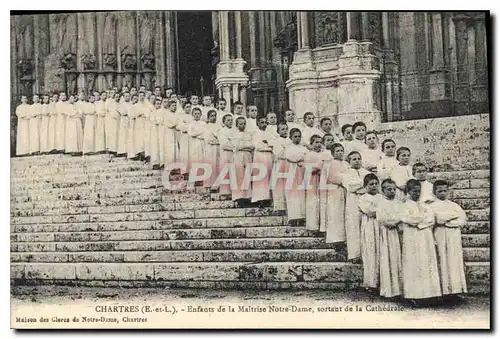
(152, 224)
(139, 216)
(62, 158)
(460, 175)
(72, 169)
(251, 255)
(476, 240)
(473, 203)
(478, 215)
(219, 271)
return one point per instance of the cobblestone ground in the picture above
(251, 309)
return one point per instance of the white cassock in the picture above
(334, 219)
(140, 111)
(61, 107)
(370, 239)
(426, 192)
(251, 126)
(371, 158)
(226, 147)
(111, 125)
(196, 132)
(155, 119)
(313, 165)
(353, 182)
(391, 266)
(385, 167)
(220, 116)
(51, 138)
(100, 132)
(295, 197)
(279, 166)
(401, 174)
(148, 129)
(263, 155)
(292, 125)
(44, 128)
(420, 265)
(123, 127)
(23, 129)
(204, 112)
(307, 133)
(272, 130)
(34, 113)
(89, 128)
(242, 156)
(326, 157)
(354, 145)
(211, 152)
(169, 148)
(183, 138)
(74, 129)
(449, 218)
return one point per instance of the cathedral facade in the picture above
(372, 66)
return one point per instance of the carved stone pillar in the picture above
(437, 72)
(365, 26)
(252, 29)
(462, 87)
(304, 30)
(237, 21)
(41, 49)
(353, 29)
(223, 29)
(170, 69)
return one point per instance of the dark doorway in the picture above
(194, 34)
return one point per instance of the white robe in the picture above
(74, 130)
(226, 147)
(292, 125)
(220, 116)
(100, 132)
(279, 166)
(353, 182)
(307, 133)
(426, 194)
(370, 239)
(313, 164)
(51, 137)
(155, 118)
(123, 127)
(449, 218)
(111, 125)
(23, 129)
(385, 167)
(271, 129)
(131, 132)
(61, 108)
(371, 158)
(242, 156)
(89, 128)
(140, 111)
(401, 174)
(251, 126)
(354, 145)
(391, 266)
(334, 219)
(420, 266)
(183, 138)
(196, 131)
(148, 129)
(263, 155)
(294, 196)
(44, 128)
(170, 152)
(34, 112)
(211, 152)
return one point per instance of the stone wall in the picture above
(444, 144)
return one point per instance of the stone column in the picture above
(41, 49)
(352, 19)
(304, 30)
(223, 29)
(253, 42)
(480, 88)
(461, 88)
(170, 69)
(365, 26)
(385, 31)
(437, 71)
(226, 94)
(237, 22)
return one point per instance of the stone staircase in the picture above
(101, 221)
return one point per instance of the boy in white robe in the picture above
(388, 161)
(238, 110)
(353, 182)
(52, 124)
(34, 125)
(262, 141)
(313, 165)
(23, 134)
(206, 106)
(372, 154)
(252, 119)
(100, 132)
(419, 171)
(294, 155)
(420, 265)
(328, 142)
(389, 219)
(226, 147)
(325, 127)
(155, 119)
(44, 125)
(309, 130)
(123, 126)
(211, 148)
(89, 126)
(334, 218)
(370, 233)
(347, 136)
(61, 107)
(279, 166)
(450, 217)
(169, 151)
(148, 127)
(221, 110)
(243, 149)
(74, 130)
(196, 132)
(140, 111)
(112, 123)
(183, 120)
(272, 124)
(402, 172)
(358, 143)
(131, 128)
(290, 121)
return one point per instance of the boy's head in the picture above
(91, 98)
(370, 182)
(241, 123)
(295, 136)
(354, 159)
(371, 140)
(252, 111)
(282, 130)
(126, 97)
(187, 107)
(389, 147)
(441, 189)
(419, 171)
(140, 96)
(36, 99)
(195, 100)
(196, 112)
(359, 130)
(326, 124)
(316, 142)
(221, 104)
(157, 91)
(403, 155)
(413, 188)
(238, 108)
(389, 188)
(134, 98)
(227, 120)
(172, 105)
(158, 103)
(262, 123)
(168, 92)
(272, 119)
(62, 96)
(338, 151)
(328, 141)
(309, 119)
(212, 116)
(347, 131)
(290, 116)
(207, 100)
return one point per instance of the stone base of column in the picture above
(230, 73)
(437, 84)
